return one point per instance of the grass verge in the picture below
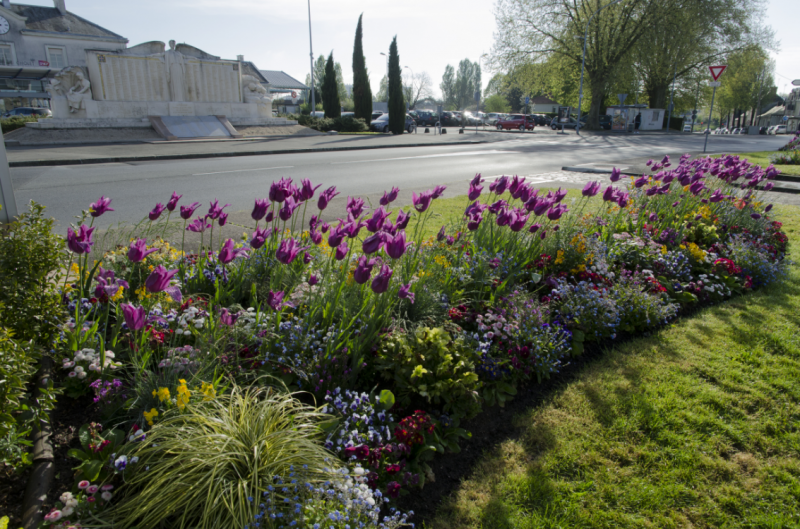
(693, 426)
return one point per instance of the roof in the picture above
(543, 100)
(774, 111)
(283, 80)
(50, 19)
(251, 69)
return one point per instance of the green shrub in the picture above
(17, 366)
(197, 468)
(340, 124)
(17, 122)
(789, 158)
(30, 263)
(433, 365)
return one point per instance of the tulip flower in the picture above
(226, 318)
(474, 221)
(437, 192)
(474, 191)
(422, 201)
(389, 197)
(223, 219)
(755, 216)
(363, 269)
(307, 258)
(651, 191)
(560, 194)
(663, 190)
(341, 251)
(260, 237)
(477, 180)
(188, 211)
(513, 186)
(498, 206)
(519, 221)
(665, 161)
(556, 211)
(306, 190)
(653, 217)
(288, 250)
(716, 196)
(610, 194)
(215, 210)
(355, 206)
(540, 206)
(107, 284)
(499, 186)
(101, 206)
(405, 293)
(336, 235)
(696, 188)
(397, 245)
(353, 227)
(534, 227)
(381, 282)
(326, 196)
(157, 211)
(173, 202)
(622, 199)
(316, 237)
(505, 216)
(81, 241)
(313, 279)
(198, 226)
(649, 163)
(288, 209)
(260, 209)
(402, 220)
(275, 300)
(134, 316)
(373, 243)
(616, 174)
(158, 281)
(280, 190)
(229, 252)
(441, 235)
(375, 223)
(137, 251)
(591, 189)
(640, 182)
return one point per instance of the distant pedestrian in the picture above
(637, 121)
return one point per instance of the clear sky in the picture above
(274, 34)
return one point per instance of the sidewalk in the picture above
(30, 156)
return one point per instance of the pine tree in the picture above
(330, 92)
(397, 107)
(362, 92)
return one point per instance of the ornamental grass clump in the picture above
(201, 467)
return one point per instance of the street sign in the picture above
(716, 71)
(715, 84)
(796, 82)
(477, 96)
(785, 118)
(527, 100)
(621, 98)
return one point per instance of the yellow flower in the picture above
(118, 295)
(74, 269)
(663, 250)
(208, 390)
(442, 261)
(697, 253)
(162, 394)
(559, 257)
(182, 401)
(150, 415)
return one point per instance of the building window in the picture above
(57, 57)
(7, 55)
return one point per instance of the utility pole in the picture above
(669, 115)
(694, 112)
(311, 54)
(760, 86)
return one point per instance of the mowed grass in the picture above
(762, 158)
(696, 425)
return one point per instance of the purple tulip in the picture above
(158, 281)
(556, 211)
(422, 201)
(534, 228)
(260, 209)
(610, 194)
(336, 235)
(353, 227)
(81, 241)
(663, 190)
(373, 243)
(556, 227)
(653, 217)
(363, 269)
(173, 202)
(519, 221)
(616, 174)
(288, 209)
(651, 191)
(498, 206)
(437, 192)
(668, 178)
(771, 172)
(226, 318)
(768, 186)
(622, 199)
(403, 219)
(768, 208)
(477, 180)
(215, 210)
(441, 235)
(229, 252)
(543, 235)
(499, 186)
(474, 191)
(665, 161)
(505, 216)
(326, 196)
(405, 293)
(313, 279)
(188, 211)
(521, 192)
(198, 226)
(474, 208)
(696, 188)
(275, 300)
(755, 216)
(640, 182)
(260, 237)
(474, 221)
(541, 205)
(513, 187)
(307, 258)
(397, 245)
(341, 251)
(649, 163)
(306, 190)
(316, 237)
(389, 197)
(560, 194)
(280, 190)
(134, 316)
(381, 282)
(355, 206)
(137, 251)
(450, 240)
(591, 189)
(223, 219)
(375, 223)
(101, 206)
(108, 284)
(288, 250)
(157, 211)
(717, 196)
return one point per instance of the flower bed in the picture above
(308, 374)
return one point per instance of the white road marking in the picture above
(245, 170)
(470, 153)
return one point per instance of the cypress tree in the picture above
(330, 91)
(362, 93)
(397, 107)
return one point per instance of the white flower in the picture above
(82, 375)
(72, 374)
(66, 511)
(79, 369)
(106, 495)
(135, 459)
(64, 498)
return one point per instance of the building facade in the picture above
(36, 42)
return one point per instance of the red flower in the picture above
(393, 469)
(393, 489)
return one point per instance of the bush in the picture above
(791, 157)
(17, 366)
(30, 260)
(17, 122)
(340, 124)
(208, 463)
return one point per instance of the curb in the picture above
(592, 170)
(191, 156)
(43, 471)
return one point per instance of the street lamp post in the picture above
(408, 103)
(311, 54)
(583, 62)
(387, 65)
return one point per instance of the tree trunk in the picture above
(597, 91)
(657, 95)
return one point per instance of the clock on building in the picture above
(4, 27)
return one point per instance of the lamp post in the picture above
(387, 64)
(583, 62)
(408, 103)
(311, 54)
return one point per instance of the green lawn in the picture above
(694, 426)
(762, 158)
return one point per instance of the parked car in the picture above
(492, 118)
(376, 115)
(471, 120)
(516, 121)
(449, 119)
(382, 124)
(555, 124)
(687, 128)
(29, 111)
(426, 118)
(780, 129)
(541, 120)
(605, 122)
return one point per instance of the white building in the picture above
(36, 42)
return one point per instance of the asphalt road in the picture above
(136, 187)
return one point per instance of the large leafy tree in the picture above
(417, 87)
(468, 81)
(448, 88)
(330, 91)
(319, 75)
(362, 92)
(747, 80)
(397, 107)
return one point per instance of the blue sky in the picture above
(274, 35)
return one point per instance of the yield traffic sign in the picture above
(716, 71)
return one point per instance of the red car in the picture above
(517, 121)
